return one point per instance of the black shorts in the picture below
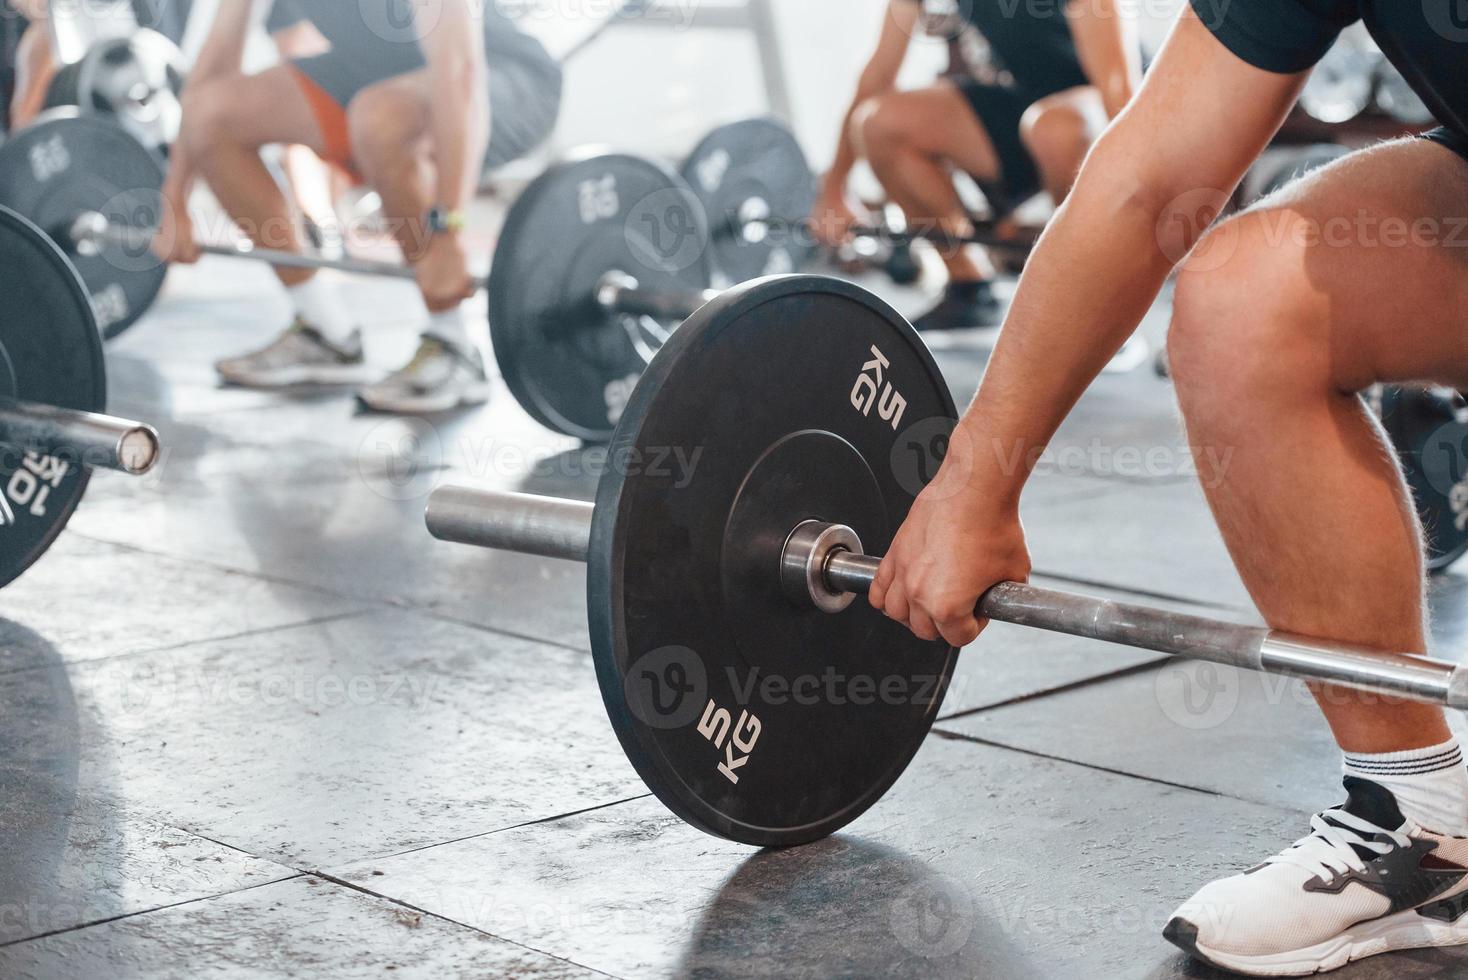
(999, 109)
(1451, 138)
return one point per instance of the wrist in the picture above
(987, 469)
(444, 221)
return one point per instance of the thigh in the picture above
(257, 110)
(1379, 242)
(392, 113)
(939, 121)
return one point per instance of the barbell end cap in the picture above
(139, 450)
(87, 232)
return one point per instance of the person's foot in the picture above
(299, 356)
(441, 376)
(1365, 881)
(964, 306)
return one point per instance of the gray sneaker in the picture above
(299, 356)
(440, 377)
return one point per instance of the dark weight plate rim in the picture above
(142, 285)
(603, 581)
(505, 335)
(19, 227)
(733, 255)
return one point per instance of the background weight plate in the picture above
(754, 168)
(65, 164)
(1429, 429)
(764, 410)
(571, 366)
(50, 352)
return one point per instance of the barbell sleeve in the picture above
(92, 228)
(619, 292)
(818, 562)
(533, 525)
(80, 437)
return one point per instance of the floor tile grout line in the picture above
(185, 644)
(403, 903)
(159, 908)
(369, 603)
(1119, 673)
(506, 829)
(1122, 773)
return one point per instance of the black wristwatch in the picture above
(441, 220)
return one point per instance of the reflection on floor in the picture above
(253, 721)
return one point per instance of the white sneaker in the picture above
(1365, 881)
(440, 377)
(299, 356)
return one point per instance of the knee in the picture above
(384, 131)
(879, 126)
(1058, 135)
(209, 116)
(1246, 324)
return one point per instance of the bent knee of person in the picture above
(1057, 133)
(1246, 320)
(386, 125)
(210, 111)
(879, 125)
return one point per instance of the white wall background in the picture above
(656, 89)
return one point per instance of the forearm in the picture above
(1093, 275)
(459, 126)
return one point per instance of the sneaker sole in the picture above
(294, 377)
(1404, 930)
(428, 404)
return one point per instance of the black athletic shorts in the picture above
(999, 109)
(1450, 138)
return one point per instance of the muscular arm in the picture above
(223, 54)
(879, 75)
(1106, 42)
(1201, 117)
(452, 36)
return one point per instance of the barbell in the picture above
(787, 425)
(52, 393)
(599, 257)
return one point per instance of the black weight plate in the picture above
(63, 88)
(135, 80)
(1430, 433)
(50, 352)
(764, 410)
(754, 170)
(67, 164)
(571, 366)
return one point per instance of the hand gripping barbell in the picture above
(753, 696)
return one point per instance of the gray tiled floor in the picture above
(255, 722)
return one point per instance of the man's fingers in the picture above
(922, 625)
(877, 592)
(960, 631)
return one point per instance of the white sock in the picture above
(1431, 785)
(452, 327)
(317, 303)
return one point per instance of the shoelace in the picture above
(1330, 849)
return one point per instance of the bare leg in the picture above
(1274, 333)
(1058, 130)
(912, 141)
(389, 128)
(226, 122)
